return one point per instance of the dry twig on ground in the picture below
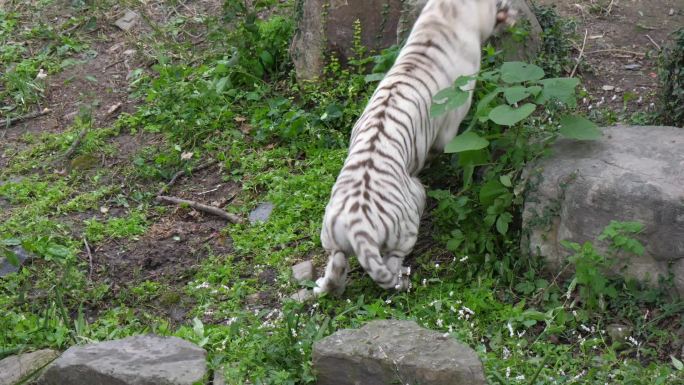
(201, 207)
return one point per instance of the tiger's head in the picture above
(495, 16)
(506, 15)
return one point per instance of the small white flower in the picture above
(41, 74)
(465, 258)
(388, 301)
(520, 377)
(451, 294)
(508, 372)
(440, 323)
(424, 282)
(436, 265)
(510, 329)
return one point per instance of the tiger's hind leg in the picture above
(334, 280)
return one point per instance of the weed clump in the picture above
(672, 82)
(554, 57)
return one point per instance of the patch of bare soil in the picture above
(623, 38)
(176, 243)
(97, 84)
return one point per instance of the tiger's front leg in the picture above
(334, 280)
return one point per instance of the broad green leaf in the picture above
(463, 80)
(454, 99)
(535, 315)
(11, 257)
(518, 72)
(221, 84)
(516, 94)
(577, 127)
(561, 89)
(10, 242)
(267, 59)
(370, 78)
(473, 158)
(490, 76)
(468, 141)
(679, 365)
(506, 180)
(508, 116)
(490, 191)
(502, 223)
(444, 95)
(484, 102)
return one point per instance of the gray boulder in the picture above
(631, 174)
(139, 360)
(17, 369)
(327, 27)
(389, 352)
(303, 271)
(20, 254)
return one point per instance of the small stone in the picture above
(69, 118)
(671, 12)
(618, 332)
(114, 108)
(219, 378)
(382, 351)
(252, 299)
(261, 213)
(128, 20)
(302, 295)
(608, 88)
(303, 271)
(17, 369)
(22, 256)
(135, 360)
(129, 52)
(632, 67)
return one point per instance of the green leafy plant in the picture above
(591, 265)
(671, 70)
(499, 139)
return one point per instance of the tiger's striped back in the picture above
(377, 201)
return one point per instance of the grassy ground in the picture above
(212, 82)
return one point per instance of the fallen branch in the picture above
(90, 259)
(616, 50)
(654, 43)
(179, 174)
(9, 123)
(581, 54)
(201, 207)
(74, 146)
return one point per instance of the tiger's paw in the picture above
(323, 286)
(404, 279)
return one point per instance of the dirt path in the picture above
(622, 44)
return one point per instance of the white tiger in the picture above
(377, 201)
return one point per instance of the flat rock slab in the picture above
(128, 20)
(631, 174)
(17, 368)
(261, 213)
(22, 256)
(139, 360)
(303, 271)
(389, 352)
